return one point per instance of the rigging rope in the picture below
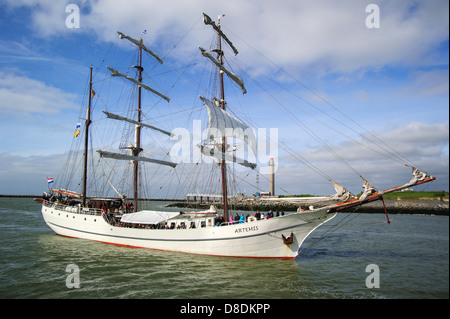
(396, 155)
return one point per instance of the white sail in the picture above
(228, 157)
(125, 157)
(121, 118)
(117, 73)
(141, 45)
(234, 77)
(223, 124)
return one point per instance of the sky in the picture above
(384, 68)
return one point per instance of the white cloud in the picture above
(48, 17)
(428, 83)
(27, 174)
(330, 36)
(411, 141)
(33, 115)
(21, 96)
(424, 145)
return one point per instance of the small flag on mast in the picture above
(50, 180)
(144, 32)
(77, 131)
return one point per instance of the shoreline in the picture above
(398, 206)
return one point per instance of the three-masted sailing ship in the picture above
(121, 221)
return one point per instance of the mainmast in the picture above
(86, 138)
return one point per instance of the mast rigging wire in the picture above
(375, 140)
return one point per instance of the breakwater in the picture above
(432, 207)
(429, 207)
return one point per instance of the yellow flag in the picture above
(77, 131)
(92, 93)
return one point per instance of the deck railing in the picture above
(77, 209)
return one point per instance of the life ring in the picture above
(252, 219)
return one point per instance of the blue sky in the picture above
(392, 80)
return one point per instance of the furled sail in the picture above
(208, 20)
(121, 118)
(342, 194)
(141, 45)
(368, 189)
(418, 175)
(125, 157)
(223, 124)
(234, 77)
(117, 73)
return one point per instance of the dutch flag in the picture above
(49, 180)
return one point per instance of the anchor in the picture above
(289, 240)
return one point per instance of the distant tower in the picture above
(272, 177)
(257, 182)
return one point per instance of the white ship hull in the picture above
(256, 239)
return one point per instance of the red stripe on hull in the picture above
(175, 251)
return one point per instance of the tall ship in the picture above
(124, 220)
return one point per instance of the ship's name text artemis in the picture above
(246, 229)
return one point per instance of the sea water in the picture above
(351, 256)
